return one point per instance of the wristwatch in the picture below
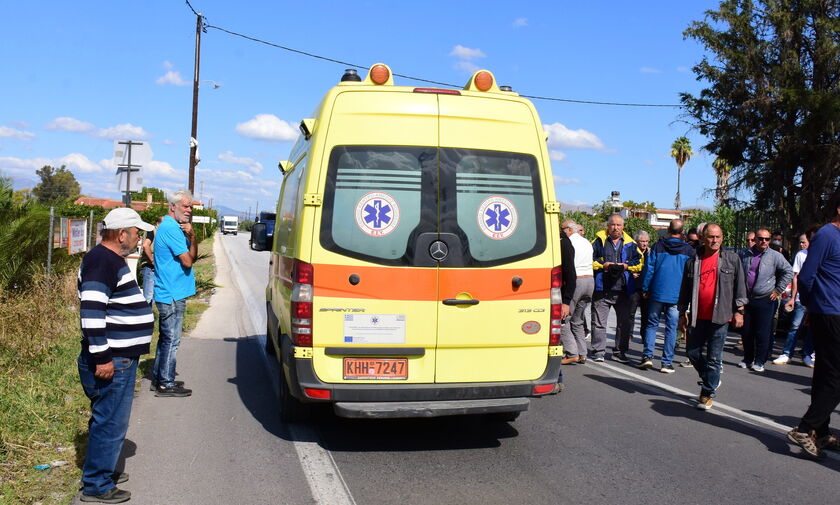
(740, 310)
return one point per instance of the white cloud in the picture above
(520, 22)
(561, 137)
(466, 66)
(683, 69)
(251, 164)
(466, 53)
(77, 163)
(171, 76)
(164, 169)
(564, 180)
(6, 132)
(267, 127)
(650, 70)
(69, 124)
(167, 142)
(123, 131)
(556, 155)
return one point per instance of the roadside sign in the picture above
(201, 219)
(129, 158)
(78, 236)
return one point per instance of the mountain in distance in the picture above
(227, 211)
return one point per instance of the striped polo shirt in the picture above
(115, 319)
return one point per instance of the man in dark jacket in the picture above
(661, 286)
(614, 258)
(714, 288)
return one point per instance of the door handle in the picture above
(458, 301)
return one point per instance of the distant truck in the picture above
(230, 224)
(262, 233)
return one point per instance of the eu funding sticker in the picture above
(374, 328)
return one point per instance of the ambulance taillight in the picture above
(302, 277)
(556, 307)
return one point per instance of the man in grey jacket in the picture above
(767, 274)
(713, 288)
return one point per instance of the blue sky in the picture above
(81, 74)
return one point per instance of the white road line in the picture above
(322, 474)
(717, 408)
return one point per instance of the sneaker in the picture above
(620, 357)
(598, 358)
(743, 364)
(113, 495)
(154, 385)
(783, 359)
(829, 442)
(646, 362)
(117, 477)
(704, 403)
(686, 363)
(757, 368)
(667, 369)
(172, 391)
(808, 361)
(570, 360)
(582, 360)
(807, 441)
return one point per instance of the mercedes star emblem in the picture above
(438, 250)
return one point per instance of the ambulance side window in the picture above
(497, 204)
(372, 201)
(288, 209)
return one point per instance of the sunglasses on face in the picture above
(762, 239)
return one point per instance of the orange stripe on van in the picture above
(486, 284)
(410, 283)
(380, 283)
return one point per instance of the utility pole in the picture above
(201, 194)
(194, 132)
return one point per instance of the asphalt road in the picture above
(615, 435)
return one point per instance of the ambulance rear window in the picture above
(373, 201)
(497, 204)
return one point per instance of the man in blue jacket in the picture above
(614, 258)
(819, 291)
(661, 286)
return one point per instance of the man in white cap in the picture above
(116, 325)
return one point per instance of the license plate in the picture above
(375, 368)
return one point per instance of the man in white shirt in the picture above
(574, 335)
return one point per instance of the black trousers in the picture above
(825, 386)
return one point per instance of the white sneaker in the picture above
(781, 360)
(757, 368)
(743, 364)
(809, 361)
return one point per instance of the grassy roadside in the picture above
(43, 411)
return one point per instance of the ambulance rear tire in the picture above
(269, 345)
(291, 409)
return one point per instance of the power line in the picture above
(420, 79)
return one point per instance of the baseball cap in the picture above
(124, 217)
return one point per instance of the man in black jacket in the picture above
(714, 289)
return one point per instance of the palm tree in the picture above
(681, 152)
(722, 171)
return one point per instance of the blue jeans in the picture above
(148, 284)
(110, 408)
(170, 321)
(655, 308)
(708, 364)
(795, 321)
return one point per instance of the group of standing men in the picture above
(702, 288)
(116, 320)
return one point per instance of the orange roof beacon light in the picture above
(380, 74)
(483, 81)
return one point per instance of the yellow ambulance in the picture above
(415, 264)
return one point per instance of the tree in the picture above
(158, 195)
(722, 171)
(56, 184)
(6, 191)
(681, 152)
(771, 105)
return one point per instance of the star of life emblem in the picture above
(497, 217)
(377, 214)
